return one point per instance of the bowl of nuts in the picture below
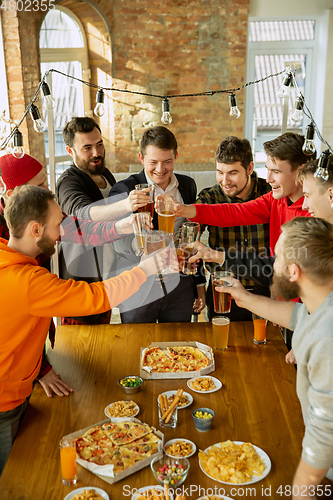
(203, 419)
(170, 471)
(130, 384)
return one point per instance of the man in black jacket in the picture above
(158, 152)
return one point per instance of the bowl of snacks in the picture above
(203, 419)
(121, 410)
(130, 384)
(170, 471)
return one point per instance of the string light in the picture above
(48, 97)
(166, 115)
(285, 85)
(99, 108)
(234, 111)
(297, 115)
(39, 125)
(17, 149)
(309, 147)
(322, 170)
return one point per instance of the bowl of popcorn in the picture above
(130, 384)
(170, 471)
(203, 419)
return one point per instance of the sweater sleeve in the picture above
(256, 211)
(86, 232)
(47, 295)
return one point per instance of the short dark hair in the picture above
(27, 203)
(160, 137)
(288, 147)
(233, 149)
(310, 169)
(78, 124)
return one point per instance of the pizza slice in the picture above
(157, 359)
(126, 432)
(148, 439)
(141, 450)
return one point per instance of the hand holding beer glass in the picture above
(142, 226)
(166, 213)
(190, 234)
(222, 300)
(149, 191)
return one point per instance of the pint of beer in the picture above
(222, 300)
(149, 190)
(166, 214)
(190, 234)
(141, 225)
(220, 332)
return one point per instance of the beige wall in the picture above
(264, 8)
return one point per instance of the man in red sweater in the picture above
(284, 159)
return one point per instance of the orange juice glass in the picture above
(259, 330)
(68, 461)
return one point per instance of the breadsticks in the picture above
(167, 414)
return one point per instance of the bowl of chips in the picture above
(130, 384)
(203, 419)
(170, 471)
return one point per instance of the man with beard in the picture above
(236, 183)
(82, 191)
(304, 268)
(34, 221)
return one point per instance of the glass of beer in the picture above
(221, 326)
(259, 329)
(141, 225)
(180, 253)
(149, 190)
(68, 461)
(190, 234)
(155, 240)
(166, 213)
(222, 300)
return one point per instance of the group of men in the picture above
(248, 220)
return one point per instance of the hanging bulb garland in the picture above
(322, 170)
(285, 85)
(309, 147)
(234, 111)
(166, 115)
(39, 125)
(99, 108)
(17, 149)
(297, 114)
(48, 97)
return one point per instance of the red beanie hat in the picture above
(18, 171)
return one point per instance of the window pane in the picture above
(281, 31)
(59, 31)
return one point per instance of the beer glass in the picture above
(149, 189)
(141, 225)
(221, 326)
(190, 233)
(166, 214)
(154, 240)
(222, 300)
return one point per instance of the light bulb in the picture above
(48, 97)
(322, 170)
(17, 149)
(3, 187)
(309, 147)
(166, 115)
(297, 114)
(234, 111)
(99, 108)
(39, 125)
(285, 85)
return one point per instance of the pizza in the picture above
(107, 445)
(174, 359)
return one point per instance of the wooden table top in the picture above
(257, 403)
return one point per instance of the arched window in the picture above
(63, 47)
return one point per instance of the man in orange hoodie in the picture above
(34, 220)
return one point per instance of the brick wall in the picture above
(178, 46)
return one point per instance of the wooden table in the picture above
(257, 403)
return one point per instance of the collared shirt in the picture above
(254, 238)
(170, 190)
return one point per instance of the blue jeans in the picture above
(9, 425)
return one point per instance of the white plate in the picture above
(189, 397)
(103, 493)
(194, 448)
(254, 479)
(217, 383)
(120, 419)
(156, 486)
